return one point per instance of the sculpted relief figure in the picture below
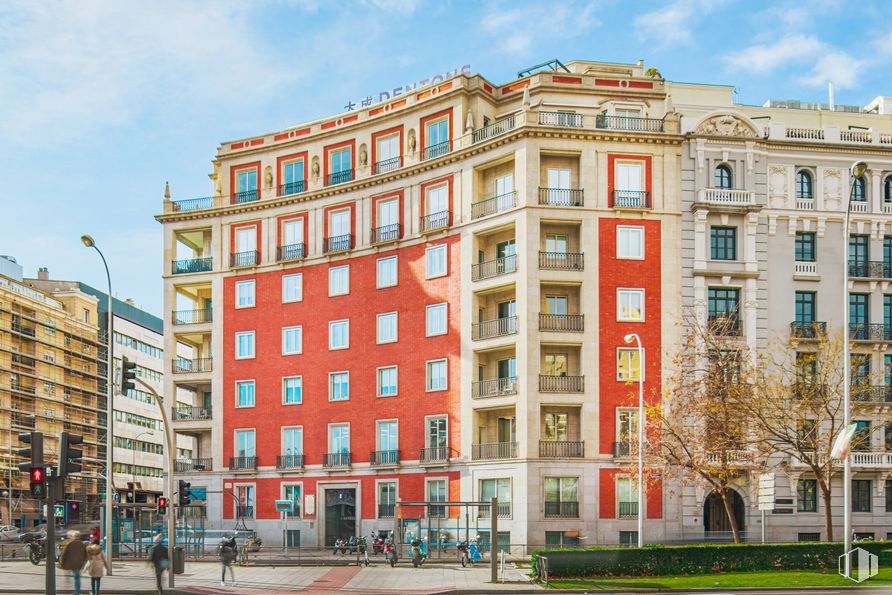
(314, 169)
(726, 125)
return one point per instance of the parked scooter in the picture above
(339, 545)
(363, 552)
(352, 545)
(389, 551)
(419, 552)
(377, 543)
(468, 552)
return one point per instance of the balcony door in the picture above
(246, 239)
(507, 309)
(507, 429)
(341, 161)
(627, 429)
(293, 232)
(293, 173)
(556, 244)
(437, 436)
(245, 495)
(339, 439)
(244, 443)
(628, 177)
(388, 148)
(246, 182)
(437, 200)
(504, 188)
(438, 132)
(556, 304)
(387, 435)
(507, 368)
(555, 364)
(806, 307)
(558, 178)
(556, 427)
(388, 212)
(293, 441)
(339, 223)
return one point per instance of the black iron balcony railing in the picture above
(562, 322)
(244, 512)
(622, 450)
(337, 243)
(494, 328)
(504, 510)
(23, 388)
(495, 129)
(561, 509)
(386, 511)
(435, 221)
(561, 449)
(291, 252)
(562, 119)
(182, 365)
(862, 331)
(292, 188)
(289, 462)
(493, 451)
(872, 394)
(567, 261)
(242, 463)
(192, 316)
(339, 177)
(631, 199)
(629, 123)
(431, 151)
(628, 510)
(192, 265)
(245, 196)
(560, 197)
(247, 258)
(494, 387)
(190, 413)
(379, 458)
(336, 459)
(494, 205)
(561, 384)
(870, 270)
(386, 233)
(494, 268)
(808, 329)
(724, 325)
(434, 454)
(193, 204)
(191, 465)
(386, 165)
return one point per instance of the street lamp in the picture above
(629, 339)
(855, 172)
(109, 410)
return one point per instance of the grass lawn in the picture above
(790, 578)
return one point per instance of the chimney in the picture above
(832, 98)
(43, 274)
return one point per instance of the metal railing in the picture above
(432, 151)
(567, 261)
(337, 243)
(23, 329)
(247, 258)
(562, 322)
(292, 188)
(191, 465)
(808, 330)
(561, 384)
(242, 463)
(434, 454)
(192, 265)
(622, 450)
(631, 199)
(192, 316)
(495, 387)
(289, 462)
(21, 388)
(386, 511)
(628, 510)
(561, 119)
(494, 268)
(386, 165)
(872, 269)
(872, 394)
(245, 196)
(190, 413)
(496, 204)
(560, 197)
(182, 365)
(193, 204)
(244, 512)
(493, 451)
(561, 509)
(336, 459)
(495, 129)
(504, 510)
(386, 233)
(561, 449)
(384, 457)
(494, 328)
(861, 331)
(435, 221)
(291, 252)
(339, 177)
(630, 123)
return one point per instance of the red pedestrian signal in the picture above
(38, 482)
(162, 505)
(37, 474)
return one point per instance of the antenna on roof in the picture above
(550, 65)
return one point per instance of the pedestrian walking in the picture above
(160, 561)
(96, 564)
(228, 555)
(72, 558)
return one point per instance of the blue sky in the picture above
(101, 102)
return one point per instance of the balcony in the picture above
(561, 384)
(870, 270)
(289, 462)
(494, 205)
(504, 510)
(495, 129)
(190, 413)
(724, 325)
(291, 252)
(334, 460)
(731, 457)
(498, 327)
(192, 204)
(563, 261)
(339, 177)
(245, 196)
(567, 510)
(434, 455)
(292, 188)
(22, 388)
(339, 243)
(628, 510)
(493, 451)
(387, 165)
(23, 329)
(432, 151)
(386, 511)
(495, 387)
(871, 333)
(805, 204)
(631, 199)
(494, 268)
(573, 323)
(629, 123)
(192, 316)
(808, 330)
(386, 233)
(726, 197)
(192, 265)
(384, 458)
(622, 450)
(808, 269)
(192, 465)
(190, 366)
(872, 394)
(560, 119)
(242, 463)
(561, 449)
(248, 258)
(560, 197)
(435, 221)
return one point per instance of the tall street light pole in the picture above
(641, 422)
(109, 411)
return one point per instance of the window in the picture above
(245, 494)
(292, 492)
(387, 153)
(246, 180)
(387, 328)
(437, 137)
(293, 288)
(628, 177)
(861, 439)
(723, 304)
(859, 189)
(341, 163)
(339, 226)
(292, 239)
(435, 261)
(556, 304)
(292, 390)
(338, 334)
(723, 243)
(387, 435)
(339, 386)
(246, 241)
(554, 364)
(293, 176)
(558, 178)
(339, 280)
(555, 427)
(626, 431)
(859, 254)
(86, 315)
(496, 488)
(803, 185)
(561, 496)
(555, 244)
(388, 214)
(887, 189)
(806, 307)
(629, 242)
(387, 276)
(723, 177)
(244, 392)
(861, 496)
(244, 345)
(437, 435)
(293, 441)
(630, 305)
(339, 438)
(859, 315)
(437, 201)
(807, 495)
(244, 443)
(437, 492)
(805, 246)
(626, 497)
(387, 381)
(386, 499)
(808, 537)
(627, 365)
(292, 340)
(888, 493)
(435, 320)
(436, 375)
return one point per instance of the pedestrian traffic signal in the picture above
(185, 491)
(162, 505)
(70, 458)
(34, 453)
(128, 375)
(38, 482)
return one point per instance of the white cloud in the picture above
(837, 67)
(521, 30)
(395, 6)
(672, 24)
(762, 58)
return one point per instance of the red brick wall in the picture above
(607, 494)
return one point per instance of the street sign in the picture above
(58, 510)
(284, 506)
(766, 491)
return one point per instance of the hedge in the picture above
(698, 559)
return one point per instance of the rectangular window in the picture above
(628, 366)
(888, 494)
(246, 239)
(556, 427)
(386, 499)
(626, 430)
(861, 495)
(338, 334)
(628, 177)
(339, 280)
(388, 213)
(436, 375)
(292, 492)
(806, 307)
(293, 288)
(339, 386)
(244, 443)
(435, 320)
(555, 364)
(292, 390)
(630, 242)
(292, 441)
(293, 174)
(437, 434)
(555, 244)
(859, 316)
(499, 488)
(293, 237)
(435, 261)
(437, 133)
(437, 492)
(339, 223)
(556, 304)
(626, 497)
(387, 153)
(387, 328)
(387, 276)
(859, 250)
(244, 294)
(861, 439)
(244, 345)
(387, 435)
(558, 178)
(723, 305)
(437, 200)
(805, 246)
(807, 495)
(246, 180)
(341, 162)
(630, 305)
(808, 537)
(244, 392)
(723, 243)
(339, 438)
(561, 489)
(387, 381)
(292, 340)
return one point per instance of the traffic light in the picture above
(162, 505)
(70, 458)
(38, 483)
(128, 374)
(34, 464)
(185, 493)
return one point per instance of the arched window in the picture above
(803, 185)
(859, 189)
(887, 189)
(723, 177)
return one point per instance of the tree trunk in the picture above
(824, 486)
(735, 532)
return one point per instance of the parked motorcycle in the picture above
(352, 545)
(339, 545)
(377, 544)
(419, 552)
(36, 546)
(390, 552)
(468, 552)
